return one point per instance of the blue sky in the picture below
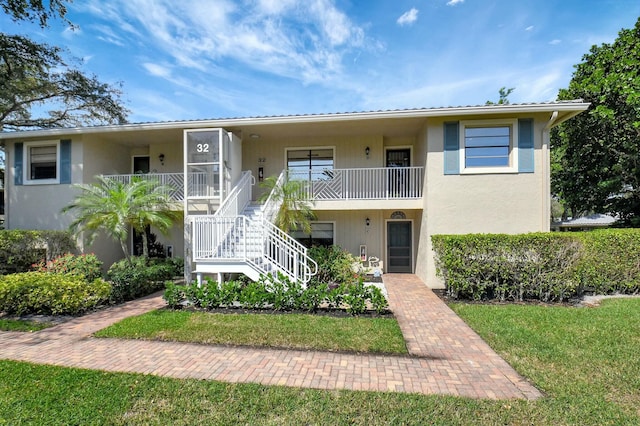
(194, 59)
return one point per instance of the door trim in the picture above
(386, 243)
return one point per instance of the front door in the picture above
(141, 164)
(399, 250)
(397, 162)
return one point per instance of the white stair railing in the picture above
(230, 236)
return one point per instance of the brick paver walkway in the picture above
(447, 356)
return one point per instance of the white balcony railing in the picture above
(384, 183)
(175, 181)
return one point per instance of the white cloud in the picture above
(157, 70)
(408, 17)
(454, 2)
(529, 28)
(299, 39)
(555, 41)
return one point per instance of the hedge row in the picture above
(20, 249)
(542, 266)
(278, 294)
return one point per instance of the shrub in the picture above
(335, 266)
(138, 277)
(543, 266)
(50, 293)
(277, 293)
(356, 297)
(20, 249)
(86, 265)
(610, 261)
(508, 267)
(174, 295)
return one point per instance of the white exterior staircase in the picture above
(241, 238)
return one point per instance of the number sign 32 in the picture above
(202, 147)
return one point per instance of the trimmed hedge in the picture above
(50, 293)
(87, 266)
(20, 249)
(543, 266)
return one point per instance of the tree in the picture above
(504, 93)
(295, 210)
(36, 74)
(31, 10)
(596, 155)
(114, 207)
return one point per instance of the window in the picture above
(489, 146)
(310, 164)
(321, 235)
(42, 162)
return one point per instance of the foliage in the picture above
(278, 294)
(50, 293)
(503, 99)
(335, 266)
(610, 261)
(295, 210)
(23, 325)
(34, 10)
(542, 266)
(507, 267)
(20, 249)
(138, 276)
(113, 207)
(595, 155)
(86, 266)
(36, 75)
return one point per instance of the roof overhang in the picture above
(563, 110)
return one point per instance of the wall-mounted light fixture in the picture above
(161, 158)
(367, 150)
(367, 221)
(254, 136)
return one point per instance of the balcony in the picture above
(173, 180)
(384, 183)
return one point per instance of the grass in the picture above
(585, 360)
(22, 325)
(299, 331)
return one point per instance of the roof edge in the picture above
(571, 107)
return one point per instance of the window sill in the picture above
(42, 182)
(488, 170)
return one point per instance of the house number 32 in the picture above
(202, 147)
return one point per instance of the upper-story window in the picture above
(42, 162)
(309, 163)
(488, 145)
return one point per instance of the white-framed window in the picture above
(489, 146)
(322, 234)
(42, 162)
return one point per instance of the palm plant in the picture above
(295, 209)
(113, 207)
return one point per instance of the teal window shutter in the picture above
(525, 146)
(451, 148)
(65, 161)
(17, 163)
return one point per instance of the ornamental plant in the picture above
(85, 265)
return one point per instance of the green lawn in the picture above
(585, 360)
(22, 325)
(299, 331)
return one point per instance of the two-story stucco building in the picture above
(382, 182)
